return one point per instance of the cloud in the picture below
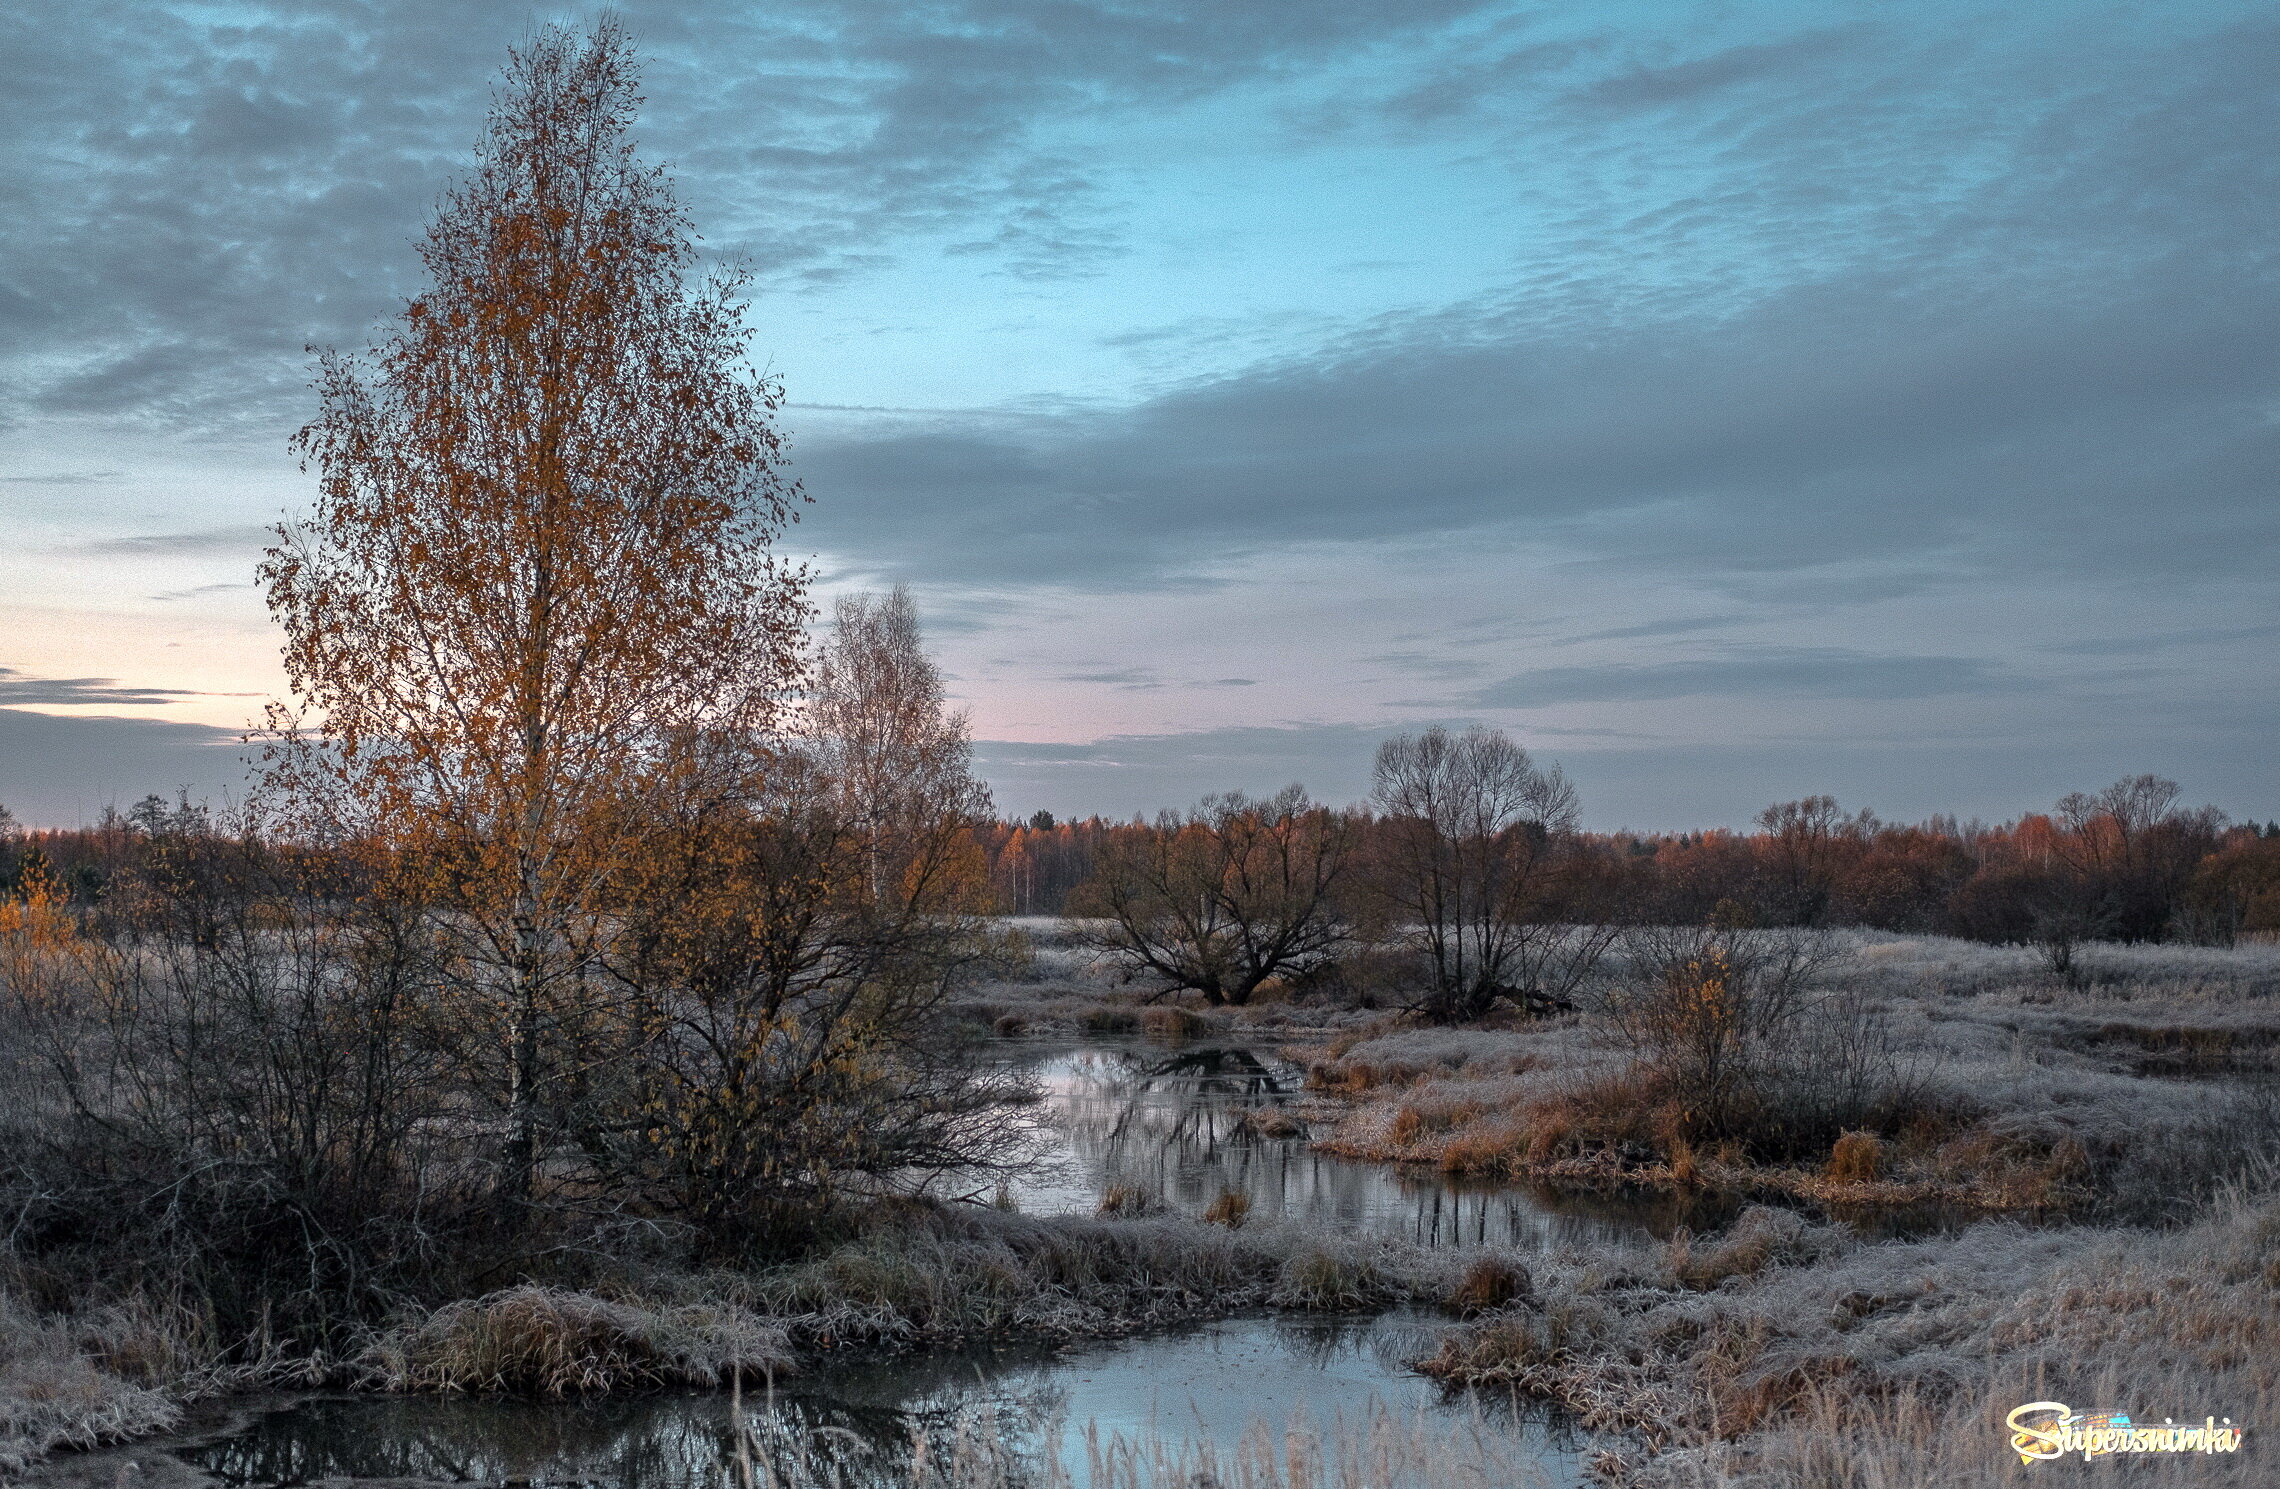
(196, 590)
(1760, 672)
(1122, 678)
(1997, 426)
(224, 187)
(1653, 785)
(2108, 646)
(1141, 773)
(62, 772)
(18, 690)
(1646, 87)
(1914, 355)
(179, 544)
(1651, 628)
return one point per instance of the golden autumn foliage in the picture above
(534, 608)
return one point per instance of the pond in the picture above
(1184, 1124)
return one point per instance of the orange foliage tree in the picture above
(534, 608)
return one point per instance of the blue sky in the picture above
(1734, 402)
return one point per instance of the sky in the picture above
(1732, 401)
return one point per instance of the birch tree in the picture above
(535, 602)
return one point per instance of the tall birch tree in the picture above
(535, 603)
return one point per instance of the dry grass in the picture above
(1857, 1158)
(1330, 1276)
(1490, 1283)
(971, 1273)
(1121, 1201)
(542, 1341)
(1980, 1082)
(1789, 1354)
(58, 1391)
(1169, 1021)
(1274, 1121)
(1230, 1209)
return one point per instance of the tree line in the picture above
(1466, 829)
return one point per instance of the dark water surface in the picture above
(1181, 1124)
(1209, 1382)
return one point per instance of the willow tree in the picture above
(534, 607)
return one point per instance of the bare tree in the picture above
(1804, 836)
(897, 760)
(1236, 892)
(1477, 856)
(535, 604)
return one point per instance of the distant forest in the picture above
(2137, 867)
(2126, 864)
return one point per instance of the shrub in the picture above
(1166, 1021)
(1485, 1150)
(1109, 1021)
(1121, 1201)
(1274, 1121)
(1857, 1157)
(1761, 1238)
(1489, 1284)
(52, 1395)
(1321, 1278)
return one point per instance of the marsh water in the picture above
(1209, 1382)
(1182, 1125)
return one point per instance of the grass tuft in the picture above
(1490, 1283)
(544, 1341)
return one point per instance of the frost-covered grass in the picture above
(1787, 1353)
(76, 1383)
(552, 1342)
(1995, 1083)
(919, 1275)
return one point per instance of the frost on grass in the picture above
(540, 1340)
(1981, 1078)
(54, 1394)
(1785, 1352)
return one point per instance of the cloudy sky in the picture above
(1732, 401)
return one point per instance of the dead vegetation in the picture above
(1895, 1071)
(1789, 1353)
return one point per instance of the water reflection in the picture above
(863, 1415)
(1185, 1125)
